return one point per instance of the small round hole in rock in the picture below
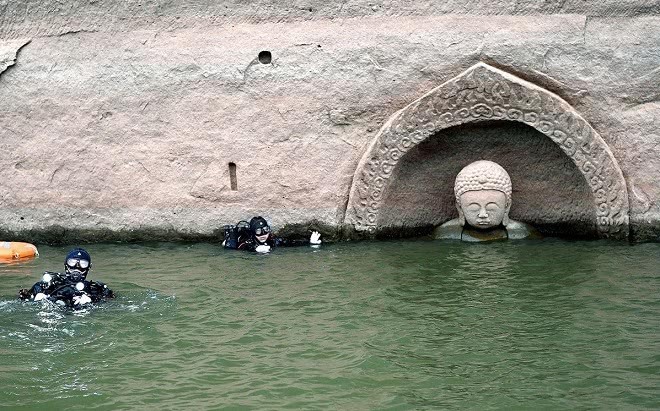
(265, 57)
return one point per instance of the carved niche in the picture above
(484, 93)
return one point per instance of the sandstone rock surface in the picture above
(118, 120)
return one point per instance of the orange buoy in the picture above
(12, 251)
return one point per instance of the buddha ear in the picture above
(461, 216)
(505, 220)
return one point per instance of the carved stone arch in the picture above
(484, 93)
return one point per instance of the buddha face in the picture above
(483, 209)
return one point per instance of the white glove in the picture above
(262, 248)
(39, 297)
(81, 299)
(315, 238)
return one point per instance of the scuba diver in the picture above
(71, 288)
(257, 236)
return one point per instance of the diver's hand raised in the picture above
(315, 238)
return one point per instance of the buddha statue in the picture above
(483, 200)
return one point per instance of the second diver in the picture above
(257, 236)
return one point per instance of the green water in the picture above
(371, 325)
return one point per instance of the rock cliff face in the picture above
(119, 120)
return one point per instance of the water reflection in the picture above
(486, 259)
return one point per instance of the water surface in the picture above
(372, 325)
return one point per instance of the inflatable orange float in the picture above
(12, 251)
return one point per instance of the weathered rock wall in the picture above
(119, 119)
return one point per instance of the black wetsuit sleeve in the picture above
(287, 242)
(98, 291)
(250, 244)
(25, 294)
(42, 286)
(247, 246)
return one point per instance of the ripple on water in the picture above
(401, 325)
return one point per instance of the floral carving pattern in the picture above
(485, 93)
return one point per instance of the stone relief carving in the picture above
(484, 93)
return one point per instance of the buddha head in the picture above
(483, 195)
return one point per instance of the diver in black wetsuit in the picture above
(257, 236)
(70, 288)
